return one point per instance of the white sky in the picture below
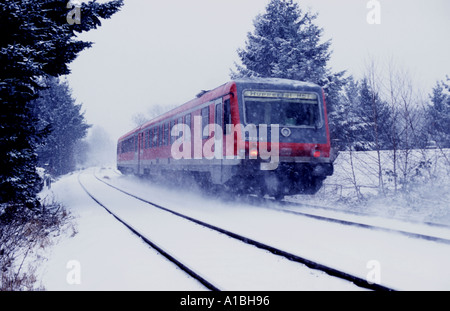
(165, 52)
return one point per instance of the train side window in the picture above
(155, 137)
(219, 116)
(187, 133)
(166, 134)
(136, 138)
(205, 120)
(150, 134)
(180, 127)
(144, 139)
(160, 135)
(151, 137)
(226, 115)
(172, 125)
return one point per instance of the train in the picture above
(264, 136)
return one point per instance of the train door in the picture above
(225, 123)
(218, 129)
(140, 151)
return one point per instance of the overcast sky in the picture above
(157, 52)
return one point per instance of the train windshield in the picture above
(283, 108)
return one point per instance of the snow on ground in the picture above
(97, 253)
(406, 263)
(105, 256)
(425, 174)
(102, 255)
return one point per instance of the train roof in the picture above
(277, 81)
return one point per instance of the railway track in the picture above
(360, 282)
(152, 244)
(364, 222)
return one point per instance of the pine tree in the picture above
(62, 117)
(350, 127)
(36, 41)
(439, 115)
(287, 44)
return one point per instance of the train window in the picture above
(172, 125)
(144, 140)
(285, 109)
(150, 137)
(161, 127)
(219, 116)
(136, 138)
(226, 115)
(205, 120)
(155, 137)
(187, 133)
(180, 126)
(166, 134)
(129, 144)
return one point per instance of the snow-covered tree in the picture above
(36, 41)
(348, 123)
(62, 117)
(439, 114)
(286, 43)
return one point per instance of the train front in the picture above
(286, 137)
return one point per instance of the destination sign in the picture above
(287, 95)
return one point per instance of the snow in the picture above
(279, 81)
(111, 258)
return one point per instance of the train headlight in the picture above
(253, 153)
(286, 132)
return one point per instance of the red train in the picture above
(263, 136)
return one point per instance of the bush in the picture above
(23, 233)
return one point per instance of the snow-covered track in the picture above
(171, 258)
(364, 223)
(292, 257)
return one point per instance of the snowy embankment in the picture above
(413, 185)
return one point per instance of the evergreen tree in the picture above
(351, 129)
(36, 41)
(374, 118)
(286, 44)
(439, 115)
(62, 117)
